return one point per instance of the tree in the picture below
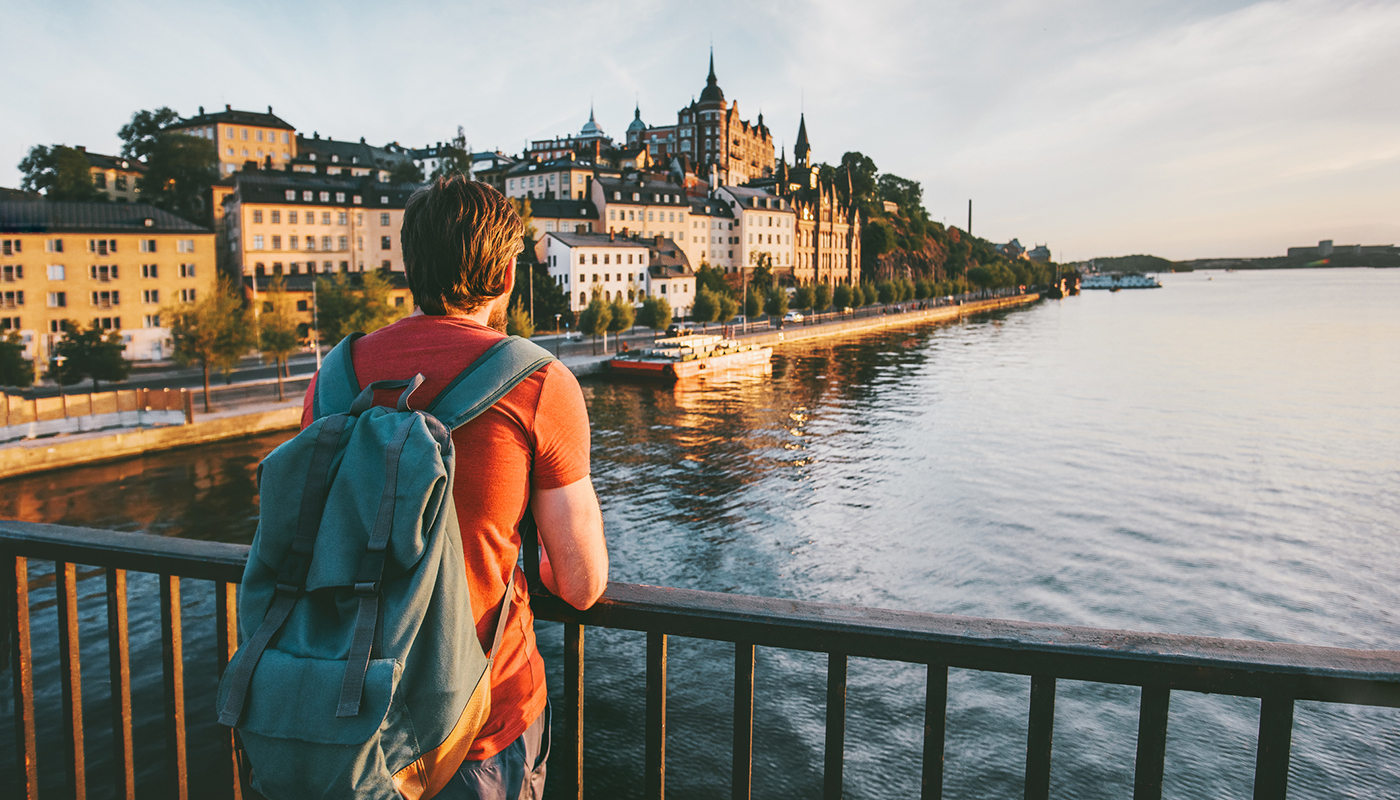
(885, 292)
(862, 171)
(841, 297)
(595, 318)
(518, 321)
(876, 239)
(406, 171)
(655, 313)
(908, 194)
(15, 369)
(710, 278)
(179, 171)
(821, 296)
(705, 309)
(981, 277)
(753, 303)
(776, 303)
(92, 354)
(454, 158)
(624, 314)
(728, 307)
(140, 135)
(277, 329)
(804, 298)
(60, 172)
(214, 331)
(344, 308)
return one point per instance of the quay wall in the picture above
(41, 455)
(799, 333)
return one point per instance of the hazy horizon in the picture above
(1184, 130)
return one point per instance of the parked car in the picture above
(792, 316)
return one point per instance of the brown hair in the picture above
(460, 240)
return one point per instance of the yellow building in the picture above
(116, 264)
(243, 136)
(114, 176)
(291, 223)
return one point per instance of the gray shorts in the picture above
(515, 773)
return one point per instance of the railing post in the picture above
(226, 614)
(656, 717)
(173, 654)
(1040, 737)
(119, 665)
(1152, 743)
(835, 726)
(573, 709)
(935, 728)
(22, 673)
(1275, 743)
(742, 774)
(70, 665)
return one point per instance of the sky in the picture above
(1182, 129)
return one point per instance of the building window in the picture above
(340, 218)
(187, 295)
(184, 246)
(150, 271)
(276, 216)
(343, 242)
(293, 242)
(291, 194)
(355, 200)
(147, 245)
(291, 217)
(11, 273)
(384, 243)
(277, 243)
(57, 272)
(385, 264)
(384, 200)
(106, 299)
(58, 299)
(307, 196)
(325, 242)
(53, 246)
(258, 242)
(102, 272)
(186, 270)
(150, 321)
(384, 219)
(311, 243)
(151, 296)
(325, 197)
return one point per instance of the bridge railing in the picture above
(1278, 674)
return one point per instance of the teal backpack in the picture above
(360, 674)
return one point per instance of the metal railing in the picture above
(1279, 674)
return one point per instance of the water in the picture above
(1218, 457)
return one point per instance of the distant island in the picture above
(1324, 254)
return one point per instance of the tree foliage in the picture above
(179, 171)
(91, 353)
(15, 369)
(277, 329)
(776, 304)
(706, 308)
(624, 314)
(821, 296)
(60, 172)
(518, 321)
(346, 304)
(909, 195)
(454, 158)
(655, 313)
(841, 296)
(804, 297)
(139, 136)
(214, 331)
(596, 317)
(406, 171)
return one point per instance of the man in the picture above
(460, 241)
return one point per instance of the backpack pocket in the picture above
(296, 698)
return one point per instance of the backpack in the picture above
(360, 673)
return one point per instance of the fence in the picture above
(28, 418)
(1280, 674)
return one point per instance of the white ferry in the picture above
(1113, 281)
(686, 356)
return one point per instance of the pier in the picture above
(1160, 665)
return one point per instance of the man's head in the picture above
(460, 240)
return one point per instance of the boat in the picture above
(678, 357)
(1113, 281)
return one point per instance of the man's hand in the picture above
(574, 565)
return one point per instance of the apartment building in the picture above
(564, 216)
(712, 239)
(647, 207)
(114, 176)
(619, 266)
(765, 225)
(566, 178)
(243, 136)
(290, 223)
(116, 264)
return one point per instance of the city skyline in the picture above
(1183, 131)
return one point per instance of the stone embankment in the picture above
(41, 455)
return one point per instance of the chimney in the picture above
(611, 237)
(362, 140)
(658, 240)
(269, 109)
(228, 106)
(201, 111)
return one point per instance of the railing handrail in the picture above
(1194, 663)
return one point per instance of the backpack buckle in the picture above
(367, 589)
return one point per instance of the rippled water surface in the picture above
(1220, 456)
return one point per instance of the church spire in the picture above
(802, 151)
(712, 80)
(712, 92)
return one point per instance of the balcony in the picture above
(1278, 674)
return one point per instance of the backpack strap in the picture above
(336, 383)
(501, 368)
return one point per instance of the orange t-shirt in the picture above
(536, 436)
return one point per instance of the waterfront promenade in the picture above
(243, 409)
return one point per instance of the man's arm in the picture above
(574, 565)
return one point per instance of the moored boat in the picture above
(1114, 281)
(688, 356)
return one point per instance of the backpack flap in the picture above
(288, 699)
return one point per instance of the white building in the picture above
(618, 266)
(764, 223)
